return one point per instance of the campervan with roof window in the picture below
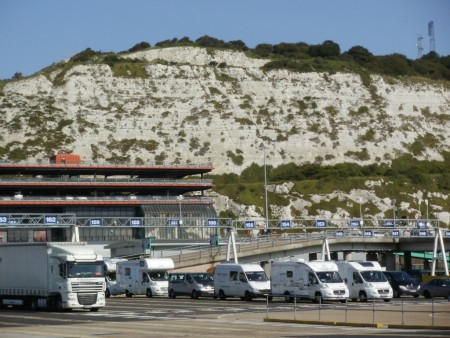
(315, 280)
(145, 276)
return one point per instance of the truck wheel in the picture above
(362, 296)
(59, 304)
(396, 293)
(318, 298)
(107, 293)
(194, 294)
(94, 309)
(33, 304)
(288, 298)
(222, 295)
(172, 294)
(248, 296)
(128, 294)
(148, 293)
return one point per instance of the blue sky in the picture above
(37, 33)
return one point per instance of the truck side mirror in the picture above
(345, 280)
(61, 270)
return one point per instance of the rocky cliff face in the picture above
(195, 105)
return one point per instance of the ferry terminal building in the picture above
(39, 201)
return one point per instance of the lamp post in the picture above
(426, 203)
(265, 188)
(180, 198)
(393, 209)
(420, 211)
(360, 207)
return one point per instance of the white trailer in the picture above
(112, 287)
(246, 281)
(365, 280)
(51, 275)
(315, 280)
(145, 276)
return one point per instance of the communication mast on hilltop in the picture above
(431, 35)
(419, 46)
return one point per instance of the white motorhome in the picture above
(145, 276)
(246, 281)
(51, 275)
(365, 280)
(112, 287)
(315, 280)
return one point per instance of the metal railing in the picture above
(398, 312)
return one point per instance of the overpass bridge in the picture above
(326, 243)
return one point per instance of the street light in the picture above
(265, 187)
(393, 209)
(420, 211)
(426, 203)
(360, 208)
(180, 198)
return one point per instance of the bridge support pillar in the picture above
(313, 256)
(334, 255)
(372, 256)
(388, 261)
(407, 261)
(347, 255)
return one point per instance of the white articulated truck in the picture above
(144, 276)
(49, 275)
(365, 280)
(314, 280)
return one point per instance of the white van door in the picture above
(356, 286)
(242, 284)
(313, 285)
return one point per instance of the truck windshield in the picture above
(256, 276)
(77, 270)
(159, 275)
(329, 277)
(373, 276)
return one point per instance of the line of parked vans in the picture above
(315, 280)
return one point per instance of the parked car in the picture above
(402, 283)
(437, 287)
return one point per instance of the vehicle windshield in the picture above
(111, 276)
(329, 277)
(256, 276)
(159, 275)
(202, 277)
(402, 278)
(82, 270)
(373, 276)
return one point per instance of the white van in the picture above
(145, 276)
(194, 284)
(246, 281)
(112, 288)
(315, 280)
(365, 280)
